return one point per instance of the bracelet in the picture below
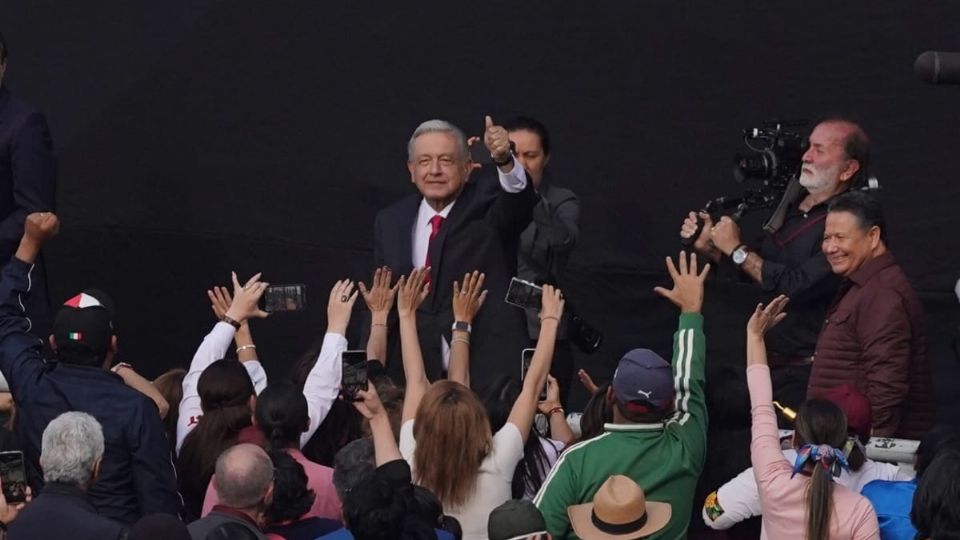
(120, 365)
(545, 317)
(230, 321)
(245, 347)
(555, 410)
(463, 340)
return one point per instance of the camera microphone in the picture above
(937, 67)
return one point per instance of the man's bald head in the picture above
(243, 476)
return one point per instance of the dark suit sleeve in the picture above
(512, 212)
(153, 471)
(34, 175)
(560, 224)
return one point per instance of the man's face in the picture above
(846, 245)
(530, 154)
(438, 168)
(825, 163)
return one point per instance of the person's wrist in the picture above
(336, 326)
(237, 314)
(379, 317)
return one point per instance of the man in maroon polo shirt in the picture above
(874, 335)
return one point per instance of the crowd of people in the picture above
(440, 438)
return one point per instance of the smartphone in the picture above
(291, 297)
(13, 475)
(354, 373)
(524, 294)
(479, 153)
(526, 356)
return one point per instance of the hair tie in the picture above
(832, 459)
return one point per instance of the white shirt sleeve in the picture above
(408, 445)
(740, 500)
(507, 449)
(213, 348)
(515, 180)
(323, 383)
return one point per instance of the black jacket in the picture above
(482, 233)
(137, 475)
(63, 511)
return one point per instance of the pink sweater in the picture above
(319, 479)
(784, 499)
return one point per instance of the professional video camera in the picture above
(776, 153)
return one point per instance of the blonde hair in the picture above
(453, 438)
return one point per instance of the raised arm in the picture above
(323, 382)
(466, 304)
(136, 381)
(551, 408)
(765, 443)
(412, 292)
(214, 347)
(525, 407)
(384, 444)
(379, 299)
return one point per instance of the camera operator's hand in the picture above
(689, 228)
(726, 235)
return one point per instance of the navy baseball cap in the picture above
(643, 376)
(83, 328)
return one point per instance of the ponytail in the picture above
(819, 504)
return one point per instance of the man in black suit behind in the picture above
(454, 227)
(28, 174)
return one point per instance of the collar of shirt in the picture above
(421, 231)
(872, 267)
(426, 212)
(233, 512)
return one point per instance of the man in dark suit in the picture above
(28, 174)
(454, 227)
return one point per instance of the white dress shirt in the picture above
(512, 182)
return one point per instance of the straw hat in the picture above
(619, 511)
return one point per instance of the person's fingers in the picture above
(672, 269)
(704, 272)
(488, 122)
(693, 263)
(353, 297)
(236, 283)
(363, 289)
(334, 289)
(348, 288)
(481, 298)
(456, 289)
(666, 293)
(253, 279)
(682, 258)
(478, 285)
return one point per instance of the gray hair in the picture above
(353, 464)
(439, 126)
(243, 474)
(71, 446)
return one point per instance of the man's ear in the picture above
(853, 166)
(113, 344)
(610, 397)
(410, 167)
(874, 235)
(53, 342)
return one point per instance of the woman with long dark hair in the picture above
(801, 496)
(446, 434)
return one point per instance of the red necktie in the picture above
(435, 222)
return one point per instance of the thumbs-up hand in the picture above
(497, 141)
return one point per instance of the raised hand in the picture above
(497, 140)
(551, 303)
(413, 291)
(765, 318)
(340, 306)
(687, 291)
(379, 297)
(553, 396)
(39, 227)
(702, 243)
(245, 298)
(467, 300)
(587, 381)
(368, 402)
(220, 300)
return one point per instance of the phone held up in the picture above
(354, 376)
(526, 356)
(292, 297)
(13, 476)
(523, 294)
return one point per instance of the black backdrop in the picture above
(199, 136)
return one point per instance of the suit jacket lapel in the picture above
(457, 214)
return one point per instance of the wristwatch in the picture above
(739, 255)
(462, 326)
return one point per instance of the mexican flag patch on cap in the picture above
(75, 336)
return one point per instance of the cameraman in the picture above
(790, 261)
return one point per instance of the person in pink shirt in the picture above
(281, 415)
(800, 498)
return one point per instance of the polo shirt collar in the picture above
(633, 427)
(872, 267)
